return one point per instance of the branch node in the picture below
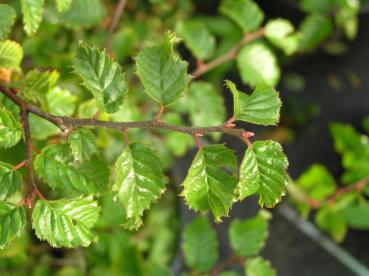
(230, 123)
(245, 135)
(196, 138)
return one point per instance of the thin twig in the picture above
(114, 22)
(231, 260)
(203, 68)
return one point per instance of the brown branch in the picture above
(114, 22)
(231, 260)
(203, 68)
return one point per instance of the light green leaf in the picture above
(63, 5)
(247, 237)
(261, 107)
(10, 129)
(32, 11)
(88, 109)
(259, 267)
(246, 13)
(258, 65)
(314, 29)
(347, 18)
(82, 144)
(200, 244)
(197, 38)
(263, 171)
(103, 77)
(12, 222)
(163, 75)
(282, 34)
(317, 6)
(7, 17)
(10, 180)
(210, 183)
(331, 221)
(66, 222)
(139, 181)
(55, 164)
(356, 216)
(11, 54)
(61, 102)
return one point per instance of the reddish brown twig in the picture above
(231, 260)
(196, 138)
(20, 165)
(114, 22)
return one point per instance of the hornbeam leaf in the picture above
(82, 144)
(263, 171)
(66, 222)
(200, 244)
(32, 15)
(139, 181)
(246, 13)
(63, 5)
(55, 164)
(163, 75)
(12, 222)
(11, 54)
(258, 65)
(10, 180)
(210, 183)
(103, 77)
(248, 237)
(257, 266)
(10, 129)
(261, 107)
(7, 17)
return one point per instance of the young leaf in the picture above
(66, 222)
(261, 107)
(258, 266)
(10, 180)
(82, 144)
(32, 15)
(7, 17)
(163, 75)
(210, 183)
(10, 129)
(11, 54)
(331, 221)
(246, 13)
(63, 5)
(248, 237)
(258, 65)
(139, 181)
(314, 29)
(263, 171)
(103, 77)
(12, 222)
(200, 244)
(197, 38)
(282, 34)
(55, 164)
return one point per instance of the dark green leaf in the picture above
(7, 17)
(331, 221)
(356, 216)
(314, 29)
(10, 180)
(12, 222)
(10, 129)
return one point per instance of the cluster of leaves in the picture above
(338, 211)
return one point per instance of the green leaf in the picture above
(246, 13)
(10, 180)
(82, 144)
(281, 33)
(347, 18)
(12, 222)
(61, 102)
(10, 129)
(356, 216)
(197, 38)
(139, 181)
(210, 183)
(55, 164)
(103, 77)
(263, 171)
(66, 222)
(63, 5)
(247, 237)
(259, 267)
(258, 65)
(11, 54)
(163, 75)
(318, 6)
(331, 221)
(88, 109)
(314, 29)
(261, 107)
(32, 15)
(7, 17)
(200, 244)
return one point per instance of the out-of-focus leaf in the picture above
(32, 11)
(317, 6)
(314, 29)
(63, 5)
(356, 216)
(11, 54)
(7, 17)
(332, 222)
